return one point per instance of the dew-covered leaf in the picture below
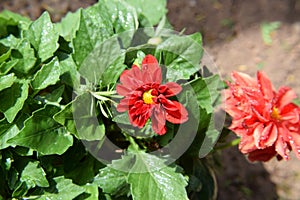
(47, 75)
(12, 99)
(43, 134)
(43, 36)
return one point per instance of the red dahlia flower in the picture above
(145, 97)
(267, 121)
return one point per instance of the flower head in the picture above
(145, 97)
(267, 121)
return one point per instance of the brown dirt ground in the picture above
(232, 36)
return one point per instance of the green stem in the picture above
(229, 144)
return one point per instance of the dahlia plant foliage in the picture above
(111, 103)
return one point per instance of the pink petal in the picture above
(285, 96)
(247, 144)
(265, 136)
(259, 116)
(295, 143)
(290, 113)
(282, 148)
(257, 134)
(265, 85)
(243, 79)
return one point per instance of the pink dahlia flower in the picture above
(267, 121)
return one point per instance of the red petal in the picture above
(123, 90)
(139, 114)
(149, 59)
(170, 89)
(178, 116)
(123, 105)
(151, 70)
(265, 85)
(159, 120)
(132, 78)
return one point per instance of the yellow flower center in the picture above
(147, 97)
(275, 114)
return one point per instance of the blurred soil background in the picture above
(232, 33)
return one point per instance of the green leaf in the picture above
(123, 16)
(160, 182)
(7, 66)
(27, 59)
(10, 41)
(124, 19)
(209, 141)
(297, 102)
(202, 183)
(203, 94)
(267, 29)
(7, 131)
(122, 118)
(69, 25)
(153, 10)
(20, 190)
(88, 125)
(65, 118)
(206, 137)
(47, 75)
(113, 178)
(113, 72)
(23, 151)
(79, 117)
(181, 55)
(206, 93)
(52, 98)
(7, 81)
(43, 36)
(33, 175)
(12, 99)
(101, 58)
(112, 181)
(91, 192)
(214, 85)
(43, 134)
(95, 27)
(23, 53)
(55, 95)
(5, 56)
(9, 19)
(64, 189)
(69, 73)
